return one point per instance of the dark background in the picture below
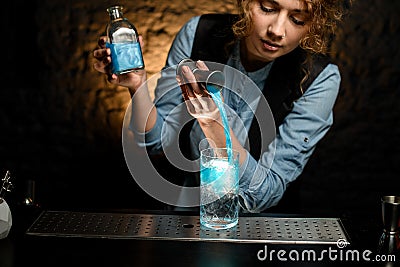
(61, 122)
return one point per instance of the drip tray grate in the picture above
(176, 227)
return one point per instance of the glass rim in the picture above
(395, 200)
(218, 148)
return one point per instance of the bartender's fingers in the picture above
(183, 87)
(102, 41)
(101, 53)
(193, 103)
(196, 108)
(191, 108)
(196, 89)
(102, 56)
(190, 82)
(103, 60)
(201, 65)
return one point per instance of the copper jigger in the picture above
(215, 77)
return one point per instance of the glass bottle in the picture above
(123, 40)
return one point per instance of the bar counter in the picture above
(37, 238)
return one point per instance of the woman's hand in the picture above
(198, 101)
(132, 80)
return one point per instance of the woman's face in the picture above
(278, 27)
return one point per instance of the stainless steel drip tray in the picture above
(187, 228)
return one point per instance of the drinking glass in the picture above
(219, 186)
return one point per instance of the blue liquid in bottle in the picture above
(125, 57)
(123, 41)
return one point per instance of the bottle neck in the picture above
(115, 12)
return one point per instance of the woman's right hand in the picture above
(198, 101)
(132, 80)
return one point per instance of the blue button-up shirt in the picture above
(263, 182)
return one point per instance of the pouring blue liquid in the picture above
(214, 80)
(215, 93)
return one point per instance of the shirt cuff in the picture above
(246, 172)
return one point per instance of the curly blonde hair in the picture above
(325, 16)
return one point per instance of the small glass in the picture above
(219, 186)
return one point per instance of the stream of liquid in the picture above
(216, 96)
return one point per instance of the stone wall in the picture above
(61, 121)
